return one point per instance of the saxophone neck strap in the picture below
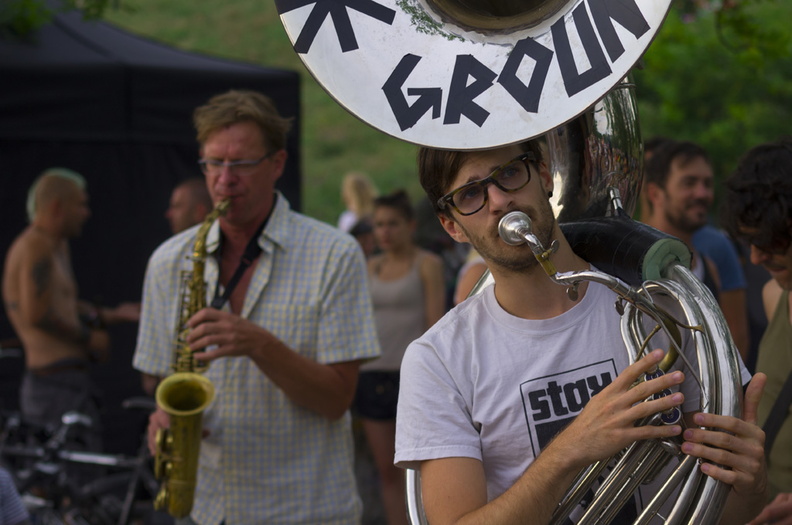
(252, 250)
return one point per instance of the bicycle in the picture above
(41, 461)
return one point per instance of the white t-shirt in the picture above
(484, 384)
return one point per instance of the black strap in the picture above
(252, 250)
(778, 414)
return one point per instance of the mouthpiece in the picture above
(514, 227)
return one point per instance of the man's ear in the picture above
(452, 228)
(54, 207)
(279, 158)
(545, 178)
(653, 192)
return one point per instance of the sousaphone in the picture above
(479, 74)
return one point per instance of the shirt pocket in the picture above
(295, 325)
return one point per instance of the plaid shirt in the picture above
(267, 460)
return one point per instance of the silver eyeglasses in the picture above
(471, 197)
(236, 166)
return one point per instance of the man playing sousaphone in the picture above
(516, 390)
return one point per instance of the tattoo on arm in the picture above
(42, 276)
(12, 305)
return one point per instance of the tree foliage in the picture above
(719, 78)
(19, 18)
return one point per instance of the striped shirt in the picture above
(267, 460)
(12, 511)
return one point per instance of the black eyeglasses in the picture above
(239, 167)
(471, 197)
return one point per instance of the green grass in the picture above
(333, 141)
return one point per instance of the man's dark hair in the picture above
(759, 196)
(651, 145)
(437, 169)
(399, 201)
(658, 167)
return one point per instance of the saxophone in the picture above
(184, 394)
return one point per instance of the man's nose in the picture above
(498, 199)
(226, 175)
(704, 191)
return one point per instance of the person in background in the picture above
(758, 210)
(431, 236)
(470, 273)
(189, 204)
(363, 232)
(679, 191)
(61, 334)
(650, 146)
(358, 194)
(517, 389)
(289, 324)
(408, 297)
(715, 245)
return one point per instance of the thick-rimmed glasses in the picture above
(471, 197)
(239, 167)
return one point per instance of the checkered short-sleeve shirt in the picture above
(267, 460)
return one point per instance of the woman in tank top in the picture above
(408, 296)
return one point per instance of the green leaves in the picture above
(19, 18)
(719, 78)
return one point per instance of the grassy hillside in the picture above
(334, 141)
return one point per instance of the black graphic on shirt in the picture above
(551, 402)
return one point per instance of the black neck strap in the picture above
(252, 250)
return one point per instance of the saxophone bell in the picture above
(185, 394)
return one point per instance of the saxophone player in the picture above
(517, 389)
(289, 324)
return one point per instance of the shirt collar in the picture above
(276, 230)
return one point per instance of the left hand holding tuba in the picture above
(734, 453)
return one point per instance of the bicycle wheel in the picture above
(45, 516)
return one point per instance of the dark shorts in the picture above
(377, 395)
(43, 400)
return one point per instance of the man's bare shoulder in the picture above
(771, 293)
(30, 245)
(29, 250)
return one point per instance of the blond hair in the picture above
(236, 106)
(358, 193)
(51, 184)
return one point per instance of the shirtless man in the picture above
(61, 335)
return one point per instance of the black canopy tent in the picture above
(117, 109)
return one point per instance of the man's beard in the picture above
(683, 222)
(516, 258)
